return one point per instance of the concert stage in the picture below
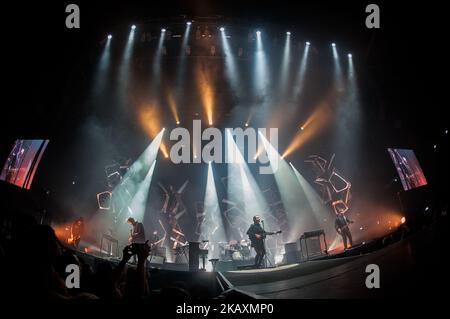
(220, 149)
(335, 277)
(340, 275)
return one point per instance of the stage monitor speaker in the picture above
(156, 259)
(313, 247)
(291, 253)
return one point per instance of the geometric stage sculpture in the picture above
(334, 189)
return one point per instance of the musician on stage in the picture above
(342, 227)
(137, 234)
(256, 235)
(76, 231)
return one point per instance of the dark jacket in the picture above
(253, 230)
(138, 235)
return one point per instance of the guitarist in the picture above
(257, 235)
(76, 231)
(137, 234)
(342, 228)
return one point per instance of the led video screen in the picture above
(408, 168)
(22, 162)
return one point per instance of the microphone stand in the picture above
(266, 260)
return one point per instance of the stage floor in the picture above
(414, 267)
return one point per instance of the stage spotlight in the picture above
(205, 80)
(338, 76)
(150, 119)
(241, 185)
(138, 204)
(246, 124)
(333, 44)
(101, 73)
(350, 116)
(302, 205)
(261, 70)
(285, 70)
(185, 50)
(222, 29)
(258, 33)
(173, 106)
(212, 227)
(317, 121)
(300, 78)
(230, 64)
(403, 220)
(317, 210)
(132, 193)
(302, 128)
(160, 51)
(124, 68)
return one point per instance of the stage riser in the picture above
(234, 265)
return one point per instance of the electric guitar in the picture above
(263, 236)
(73, 239)
(130, 239)
(347, 226)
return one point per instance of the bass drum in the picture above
(246, 252)
(237, 256)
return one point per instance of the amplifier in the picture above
(291, 253)
(156, 259)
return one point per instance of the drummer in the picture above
(236, 245)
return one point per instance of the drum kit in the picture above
(235, 250)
